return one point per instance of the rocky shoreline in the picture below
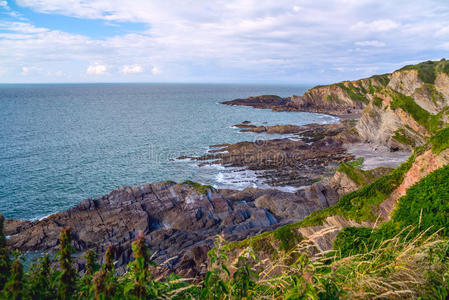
(311, 152)
(180, 221)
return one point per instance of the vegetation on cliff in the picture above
(427, 71)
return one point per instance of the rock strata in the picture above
(179, 221)
(315, 151)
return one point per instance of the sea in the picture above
(63, 143)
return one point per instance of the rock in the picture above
(13, 227)
(178, 220)
(285, 161)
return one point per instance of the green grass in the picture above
(440, 141)
(199, 188)
(419, 114)
(425, 207)
(427, 71)
(353, 92)
(377, 101)
(356, 163)
(332, 98)
(360, 177)
(287, 236)
(383, 79)
(401, 136)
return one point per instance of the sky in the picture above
(247, 41)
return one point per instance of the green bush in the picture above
(377, 101)
(401, 136)
(383, 79)
(427, 71)
(419, 114)
(440, 141)
(354, 93)
(425, 207)
(199, 188)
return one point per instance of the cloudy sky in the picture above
(277, 41)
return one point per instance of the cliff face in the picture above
(406, 112)
(399, 110)
(423, 166)
(339, 99)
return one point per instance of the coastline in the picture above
(296, 181)
(179, 221)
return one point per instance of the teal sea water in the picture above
(60, 144)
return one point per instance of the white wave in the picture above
(237, 179)
(181, 159)
(214, 166)
(41, 218)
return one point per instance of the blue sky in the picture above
(282, 41)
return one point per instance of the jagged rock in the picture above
(178, 220)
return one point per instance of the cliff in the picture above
(400, 110)
(408, 110)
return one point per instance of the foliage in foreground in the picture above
(394, 269)
(424, 207)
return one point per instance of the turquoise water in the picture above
(60, 144)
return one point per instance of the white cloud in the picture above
(21, 27)
(443, 32)
(3, 4)
(372, 43)
(26, 70)
(96, 69)
(155, 70)
(132, 69)
(375, 26)
(297, 8)
(231, 40)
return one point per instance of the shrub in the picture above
(419, 114)
(199, 188)
(440, 141)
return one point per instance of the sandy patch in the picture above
(377, 156)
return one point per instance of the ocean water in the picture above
(60, 144)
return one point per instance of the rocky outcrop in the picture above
(341, 99)
(179, 221)
(314, 151)
(322, 236)
(308, 133)
(273, 102)
(398, 110)
(282, 162)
